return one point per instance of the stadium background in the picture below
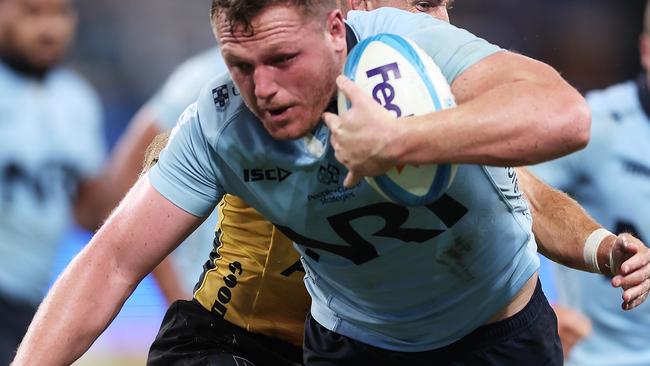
(126, 49)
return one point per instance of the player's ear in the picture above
(336, 29)
(358, 5)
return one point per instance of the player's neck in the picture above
(20, 66)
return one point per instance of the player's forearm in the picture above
(561, 226)
(79, 307)
(510, 120)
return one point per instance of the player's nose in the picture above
(265, 86)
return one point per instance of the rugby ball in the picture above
(401, 77)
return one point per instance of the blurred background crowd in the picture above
(127, 49)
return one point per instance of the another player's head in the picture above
(435, 8)
(284, 56)
(35, 34)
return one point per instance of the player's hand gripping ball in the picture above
(401, 77)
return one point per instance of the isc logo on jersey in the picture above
(403, 79)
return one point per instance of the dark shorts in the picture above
(190, 335)
(15, 317)
(528, 338)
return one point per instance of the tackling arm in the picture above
(139, 234)
(559, 220)
(561, 227)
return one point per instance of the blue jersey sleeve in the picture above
(185, 173)
(453, 49)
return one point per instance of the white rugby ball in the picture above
(401, 77)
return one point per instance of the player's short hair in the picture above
(242, 11)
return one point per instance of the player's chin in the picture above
(289, 129)
(287, 132)
(46, 57)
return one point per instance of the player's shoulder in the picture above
(71, 86)
(76, 93)
(72, 80)
(219, 104)
(390, 20)
(453, 49)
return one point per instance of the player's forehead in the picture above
(275, 25)
(277, 31)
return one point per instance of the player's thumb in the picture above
(351, 179)
(628, 247)
(351, 90)
(331, 120)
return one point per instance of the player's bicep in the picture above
(499, 69)
(144, 229)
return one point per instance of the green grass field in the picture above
(90, 360)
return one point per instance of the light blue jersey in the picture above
(51, 137)
(179, 91)
(408, 279)
(183, 86)
(611, 180)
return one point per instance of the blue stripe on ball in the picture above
(443, 171)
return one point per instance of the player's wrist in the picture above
(606, 255)
(399, 147)
(597, 252)
(409, 142)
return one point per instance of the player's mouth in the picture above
(278, 114)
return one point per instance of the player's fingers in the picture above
(351, 179)
(351, 91)
(635, 262)
(633, 278)
(332, 121)
(629, 247)
(634, 303)
(636, 291)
